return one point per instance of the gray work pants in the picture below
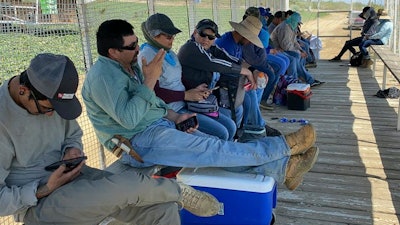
(130, 197)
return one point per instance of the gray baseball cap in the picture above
(55, 77)
(208, 24)
(160, 23)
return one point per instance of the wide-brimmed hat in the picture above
(383, 14)
(249, 28)
(55, 77)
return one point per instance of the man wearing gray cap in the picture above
(37, 128)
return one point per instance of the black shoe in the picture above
(316, 83)
(311, 65)
(271, 132)
(335, 59)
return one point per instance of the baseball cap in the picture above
(55, 77)
(208, 24)
(158, 23)
(265, 11)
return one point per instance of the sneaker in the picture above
(335, 59)
(299, 165)
(316, 83)
(301, 140)
(199, 203)
(271, 132)
(311, 65)
(265, 105)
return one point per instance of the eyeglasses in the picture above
(210, 37)
(40, 107)
(130, 47)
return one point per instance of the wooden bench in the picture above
(391, 62)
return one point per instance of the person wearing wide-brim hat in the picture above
(380, 37)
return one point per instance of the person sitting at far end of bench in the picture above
(38, 111)
(369, 28)
(120, 99)
(381, 37)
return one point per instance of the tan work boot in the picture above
(301, 140)
(299, 165)
(199, 203)
(367, 63)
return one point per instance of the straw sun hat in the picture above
(249, 28)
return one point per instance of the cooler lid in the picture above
(298, 87)
(220, 178)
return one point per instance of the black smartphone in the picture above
(186, 124)
(69, 163)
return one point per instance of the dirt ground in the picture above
(333, 32)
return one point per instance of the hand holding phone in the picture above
(70, 164)
(188, 123)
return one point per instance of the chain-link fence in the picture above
(29, 27)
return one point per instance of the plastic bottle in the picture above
(261, 80)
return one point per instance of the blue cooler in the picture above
(247, 199)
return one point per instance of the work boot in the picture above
(301, 140)
(299, 165)
(199, 203)
(366, 63)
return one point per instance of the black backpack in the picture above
(356, 59)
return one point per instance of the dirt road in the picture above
(333, 32)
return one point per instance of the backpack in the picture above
(280, 94)
(356, 59)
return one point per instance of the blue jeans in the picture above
(366, 43)
(301, 71)
(251, 111)
(238, 114)
(161, 144)
(222, 127)
(279, 63)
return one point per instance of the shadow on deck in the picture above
(356, 177)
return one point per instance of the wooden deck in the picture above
(356, 177)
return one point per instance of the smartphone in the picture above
(69, 163)
(188, 123)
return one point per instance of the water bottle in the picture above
(261, 80)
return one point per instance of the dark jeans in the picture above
(349, 46)
(366, 43)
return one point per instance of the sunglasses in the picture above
(130, 47)
(210, 37)
(40, 107)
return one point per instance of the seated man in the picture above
(381, 37)
(38, 127)
(284, 38)
(369, 27)
(120, 99)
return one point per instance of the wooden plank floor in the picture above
(356, 177)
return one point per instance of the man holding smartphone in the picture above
(37, 128)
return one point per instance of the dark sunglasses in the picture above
(210, 37)
(130, 47)
(39, 106)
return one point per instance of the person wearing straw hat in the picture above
(381, 37)
(245, 34)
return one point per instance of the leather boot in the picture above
(299, 165)
(301, 140)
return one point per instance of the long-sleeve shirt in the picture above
(198, 64)
(118, 103)
(169, 86)
(384, 31)
(28, 143)
(283, 37)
